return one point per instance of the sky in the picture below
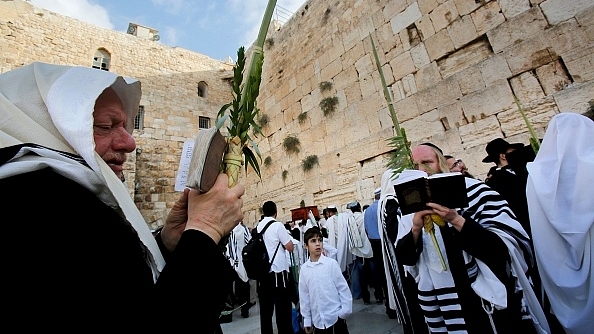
(216, 28)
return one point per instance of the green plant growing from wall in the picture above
(267, 161)
(328, 105)
(325, 86)
(309, 162)
(291, 144)
(302, 204)
(285, 174)
(302, 117)
(263, 120)
(269, 42)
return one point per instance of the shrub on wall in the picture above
(309, 162)
(291, 144)
(328, 105)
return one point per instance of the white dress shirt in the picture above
(324, 294)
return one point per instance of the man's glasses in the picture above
(456, 164)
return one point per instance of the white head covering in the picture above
(560, 198)
(52, 106)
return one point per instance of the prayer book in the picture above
(207, 157)
(415, 188)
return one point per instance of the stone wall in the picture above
(453, 68)
(169, 77)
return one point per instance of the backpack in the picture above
(255, 257)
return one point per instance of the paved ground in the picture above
(365, 319)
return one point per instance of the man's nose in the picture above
(124, 141)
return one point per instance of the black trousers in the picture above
(274, 294)
(340, 327)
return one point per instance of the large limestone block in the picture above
(552, 77)
(488, 101)
(467, 6)
(532, 22)
(480, 132)
(444, 92)
(487, 17)
(470, 80)
(557, 11)
(423, 126)
(425, 27)
(494, 68)
(580, 64)
(575, 98)
(473, 53)
(402, 65)
(566, 37)
(427, 6)
(406, 109)
(462, 31)
(439, 45)
(526, 87)
(427, 76)
(405, 18)
(444, 15)
(419, 55)
(586, 21)
(528, 55)
(511, 8)
(539, 113)
(452, 115)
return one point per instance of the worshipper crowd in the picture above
(516, 257)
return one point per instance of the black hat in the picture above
(498, 146)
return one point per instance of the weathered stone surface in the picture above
(444, 92)
(580, 63)
(405, 18)
(427, 76)
(444, 15)
(474, 53)
(487, 102)
(575, 98)
(487, 17)
(511, 8)
(462, 31)
(528, 55)
(439, 45)
(526, 87)
(558, 11)
(495, 68)
(552, 77)
(507, 33)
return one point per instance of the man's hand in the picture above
(449, 215)
(176, 222)
(217, 211)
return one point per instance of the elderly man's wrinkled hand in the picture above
(217, 211)
(176, 222)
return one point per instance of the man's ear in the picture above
(502, 157)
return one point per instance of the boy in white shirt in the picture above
(324, 295)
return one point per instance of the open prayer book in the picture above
(414, 188)
(201, 161)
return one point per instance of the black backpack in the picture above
(255, 256)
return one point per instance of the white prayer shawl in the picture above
(238, 238)
(358, 242)
(495, 217)
(338, 237)
(560, 194)
(396, 298)
(52, 106)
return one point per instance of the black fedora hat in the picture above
(498, 146)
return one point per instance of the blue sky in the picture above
(216, 28)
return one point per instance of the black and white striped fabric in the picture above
(438, 295)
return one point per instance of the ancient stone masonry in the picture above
(169, 77)
(453, 68)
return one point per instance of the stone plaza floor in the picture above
(365, 319)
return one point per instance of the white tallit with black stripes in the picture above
(489, 210)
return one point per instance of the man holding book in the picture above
(469, 262)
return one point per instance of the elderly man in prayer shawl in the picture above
(470, 272)
(402, 289)
(78, 250)
(559, 192)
